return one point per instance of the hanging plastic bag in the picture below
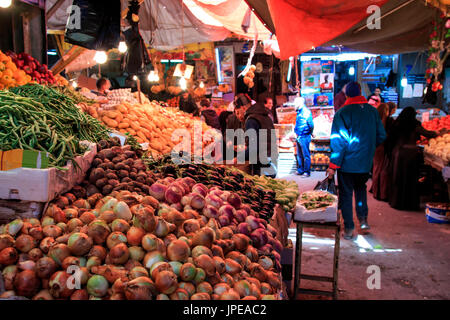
(94, 25)
(328, 185)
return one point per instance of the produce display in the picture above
(184, 241)
(38, 72)
(10, 75)
(249, 76)
(289, 118)
(320, 159)
(437, 124)
(316, 199)
(322, 126)
(440, 147)
(150, 123)
(34, 117)
(260, 192)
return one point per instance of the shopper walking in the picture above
(356, 132)
(304, 127)
(405, 160)
(380, 176)
(257, 118)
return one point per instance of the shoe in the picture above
(299, 174)
(363, 224)
(306, 175)
(348, 234)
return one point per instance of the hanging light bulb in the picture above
(150, 76)
(135, 78)
(5, 3)
(183, 84)
(100, 57)
(201, 85)
(122, 47)
(74, 84)
(351, 71)
(404, 82)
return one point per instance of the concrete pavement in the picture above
(413, 255)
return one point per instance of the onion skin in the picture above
(120, 225)
(241, 242)
(137, 272)
(98, 251)
(46, 244)
(188, 272)
(149, 242)
(141, 288)
(9, 274)
(232, 267)
(80, 294)
(43, 295)
(204, 236)
(166, 282)
(114, 238)
(6, 241)
(119, 254)
(158, 267)
(36, 232)
(8, 256)
(188, 286)
(26, 283)
(52, 231)
(135, 235)
(151, 258)
(98, 231)
(79, 244)
(191, 225)
(97, 286)
(206, 263)
(58, 285)
(178, 250)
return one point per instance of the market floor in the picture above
(412, 254)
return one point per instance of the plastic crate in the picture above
(437, 213)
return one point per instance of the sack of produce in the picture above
(317, 205)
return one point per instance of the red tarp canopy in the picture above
(301, 25)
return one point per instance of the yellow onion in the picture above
(137, 272)
(43, 295)
(114, 238)
(243, 288)
(9, 273)
(14, 227)
(158, 267)
(226, 278)
(232, 267)
(266, 288)
(97, 286)
(52, 231)
(46, 244)
(79, 243)
(206, 263)
(8, 256)
(80, 294)
(230, 295)
(178, 250)
(141, 288)
(26, 283)
(204, 236)
(188, 286)
(149, 242)
(36, 232)
(119, 254)
(199, 250)
(135, 235)
(98, 231)
(179, 294)
(188, 272)
(120, 225)
(162, 228)
(6, 241)
(58, 285)
(151, 258)
(166, 282)
(47, 221)
(205, 287)
(87, 217)
(221, 288)
(220, 264)
(162, 296)
(200, 275)
(74, 224)
(176, 267)
(93, 261)
(71, 261)
(98, 251)
(201, 296)
(136, 253)
(122, 211)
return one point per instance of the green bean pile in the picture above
(74, 95)
(34, 117)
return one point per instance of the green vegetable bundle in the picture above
(34, 117)
(287, 192)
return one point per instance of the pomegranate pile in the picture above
(174, 239)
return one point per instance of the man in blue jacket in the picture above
(356, 132)
(304, 128)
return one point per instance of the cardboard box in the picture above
(18, 158)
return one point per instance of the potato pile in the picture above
(150, 123)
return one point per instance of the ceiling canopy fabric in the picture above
(406, 28)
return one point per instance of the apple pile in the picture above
(38, 72)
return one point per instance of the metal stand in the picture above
(298, 259)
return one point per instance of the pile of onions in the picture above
(181, 242)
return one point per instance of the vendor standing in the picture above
(304, 127)
(187, 104)
(103, 86)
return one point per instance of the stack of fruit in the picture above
(32, 68)
(320, 159)
(10, 75)
(249, 76)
